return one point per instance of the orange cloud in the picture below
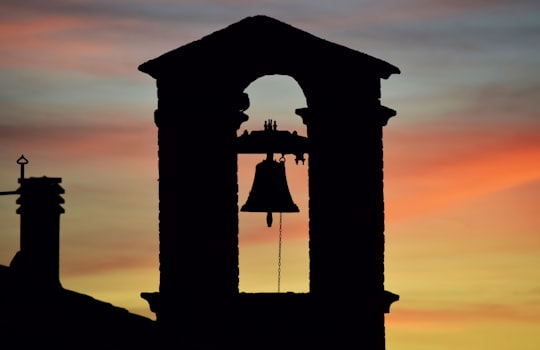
(430, 167)
(462, 314)
(294, 227)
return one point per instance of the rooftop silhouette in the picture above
(200, 86)
(34, 307)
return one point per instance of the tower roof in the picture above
(261, 45)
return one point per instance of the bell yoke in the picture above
(270, 191)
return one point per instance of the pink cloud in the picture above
(47, 39)
(63, 41)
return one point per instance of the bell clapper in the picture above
(269, 219)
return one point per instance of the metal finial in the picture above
(22, 161)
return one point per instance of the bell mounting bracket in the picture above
(270, 140)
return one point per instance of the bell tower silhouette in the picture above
(201, 104)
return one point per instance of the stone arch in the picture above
(275, 97)
(278, 93)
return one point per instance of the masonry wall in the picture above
(198, 221)
(198, 192)
(346, 210)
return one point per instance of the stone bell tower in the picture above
(201, 105)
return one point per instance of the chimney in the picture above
(38, 259)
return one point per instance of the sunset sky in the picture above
(462, 156)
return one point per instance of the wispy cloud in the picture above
(80, 141)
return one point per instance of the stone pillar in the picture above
(38, 260)
(198, 207)
(346, 213)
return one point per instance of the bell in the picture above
(270, 192)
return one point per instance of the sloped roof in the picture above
(261, 45)
(59, 318)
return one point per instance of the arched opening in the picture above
(263, 261)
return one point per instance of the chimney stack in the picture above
(38, 259)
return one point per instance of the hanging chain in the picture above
(279, 255)
(282, 159)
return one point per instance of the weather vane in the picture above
(22, 161)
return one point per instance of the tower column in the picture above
(346, 214)
(198, 208)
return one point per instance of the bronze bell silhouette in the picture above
(270, 192)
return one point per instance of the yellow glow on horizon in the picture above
(119, 287)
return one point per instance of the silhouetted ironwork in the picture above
(271, 140)
(270, 191)
(22, 161)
